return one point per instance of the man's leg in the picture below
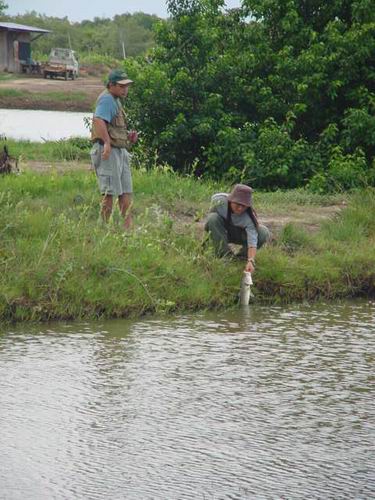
(106, 207)
(215, 226)
(125, 186)
(103, 172)
(124, 203)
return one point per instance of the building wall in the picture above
(3, 51)
(9, 49)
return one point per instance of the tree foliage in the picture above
(129, 33)
(276, 93)
(3, 7)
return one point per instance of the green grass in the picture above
(11, 93)
(8, 76)
(336, 262)
(295, 198)
(45, 96)
(74, 149)
(59, 261)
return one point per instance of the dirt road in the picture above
(38, 93)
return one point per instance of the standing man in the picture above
(111, 142)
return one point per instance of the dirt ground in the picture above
(35, 87)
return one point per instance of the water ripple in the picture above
(259, 403)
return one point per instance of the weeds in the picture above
(44, 96)
(57, 260)
(72, 149)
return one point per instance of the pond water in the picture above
(264, 402)
(39, 126)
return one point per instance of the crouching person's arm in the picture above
(250, 264)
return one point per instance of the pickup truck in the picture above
(61, 63)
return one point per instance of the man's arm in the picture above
(102, 131)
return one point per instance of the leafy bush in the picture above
(266, 101)
(345, 172)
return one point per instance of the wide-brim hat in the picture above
(242, 195)
(119, 76)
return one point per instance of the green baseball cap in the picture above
(119, 76)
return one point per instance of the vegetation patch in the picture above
(65, 101)
(59, 261)
(72, 149)
(275, 96)
(7, 76)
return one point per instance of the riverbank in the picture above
(58, 261)
(28, 92)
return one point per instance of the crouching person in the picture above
(232, 219)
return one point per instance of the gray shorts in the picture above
(114, 176)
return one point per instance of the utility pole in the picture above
(122, 42)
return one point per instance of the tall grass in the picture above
(336, 262)
(45, 96)
(59, 261)
(9, 76)
(287, 201)
(73, 149)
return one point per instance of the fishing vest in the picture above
(117, 128)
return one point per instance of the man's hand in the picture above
(133, 136)
(106, 151)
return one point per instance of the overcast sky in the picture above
(77, 10)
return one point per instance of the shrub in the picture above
(345, 171)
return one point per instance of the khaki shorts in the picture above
(114, 176)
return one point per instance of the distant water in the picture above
(39, 126)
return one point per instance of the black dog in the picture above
(8, 163)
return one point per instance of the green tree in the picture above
(3, 7)
(102, 36)
(266, 92)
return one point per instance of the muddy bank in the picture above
(45, 94)
(45, 104)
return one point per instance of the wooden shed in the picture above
(15, 45)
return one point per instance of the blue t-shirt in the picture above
(106, 107)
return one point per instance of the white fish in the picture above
(245, 292)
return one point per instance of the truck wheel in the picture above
(45, 75)
(66, 75)
(74, 76)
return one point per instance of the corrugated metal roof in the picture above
(22, 27)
